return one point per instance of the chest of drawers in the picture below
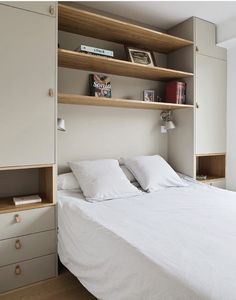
(27, 247)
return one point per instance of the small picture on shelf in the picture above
(100, 85)
(149, 95)
(139, 56)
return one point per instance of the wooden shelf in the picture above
(77, 60)
(211, 179)
(98, 26)
(90, 100)
(7, 205)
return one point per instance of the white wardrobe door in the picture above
(211, 102)
(28, 71)
(41, 7)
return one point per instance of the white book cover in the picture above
(27, 199)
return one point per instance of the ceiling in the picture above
(165, 14)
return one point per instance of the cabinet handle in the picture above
(197, 105)
(17, 244)
(51, 10)
(18, 270)
(18, 218)
(51, 92)
(197, 48)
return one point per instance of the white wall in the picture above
(231, 120)
(226, 37)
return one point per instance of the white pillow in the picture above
(128, 174)
(67, 181)
(102, 180)
(153, 172)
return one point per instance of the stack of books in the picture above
(27, 200)
(95, 51)
(176, 92)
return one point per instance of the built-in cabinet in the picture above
(27, 131)
(204, 133)
(28, 87)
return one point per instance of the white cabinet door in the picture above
(206, 39)
(28, 71)
(211, 101)
(42, 7)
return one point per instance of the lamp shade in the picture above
(169, 125)
(61, 124)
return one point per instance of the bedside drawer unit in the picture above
(26, 222)
(27, 272)
(27, 247)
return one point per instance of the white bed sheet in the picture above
(177, 243)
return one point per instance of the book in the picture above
(176, 92)
(27, 200)
(96, 51)
(100, 85)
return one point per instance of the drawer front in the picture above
(27, 272)
(27, 247)
(26, 222)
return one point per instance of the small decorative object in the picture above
(159, 99)
(95, 51)
(100, 85)
(149, 95)
(176, 92)
(167, 120)
(201, 177)
(139, 56)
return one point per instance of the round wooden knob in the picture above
(18, 218)
(51, 10)
(18, 270)
(17, 244)
(50, 92)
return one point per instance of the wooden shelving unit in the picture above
(98, 26)
(45, 186)
(89, 100)
(76, 60)
(211, 165)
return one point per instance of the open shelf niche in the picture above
(24, 181)
(212, 166)
(90, 24)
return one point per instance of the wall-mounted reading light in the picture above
(61, 124)
(167, 120)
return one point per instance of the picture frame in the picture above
(139, 56)
(149, 96)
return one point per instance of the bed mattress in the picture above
(177, 243)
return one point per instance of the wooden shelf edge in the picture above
(212, 178)
(7, 205)
(91, 24)
(26, 167)
(123, 103)
(82, 61)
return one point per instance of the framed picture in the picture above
(149, 95)
(139, 56)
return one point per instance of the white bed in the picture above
(177, 243)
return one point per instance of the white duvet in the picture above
(177, 243)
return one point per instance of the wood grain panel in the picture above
(90, 100)
(76, 60)
(90, 24)
(213, 166)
